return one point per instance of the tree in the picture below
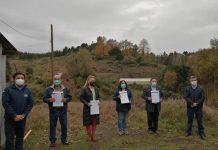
(163, 58)
(66, 50)
(169, 80)
(84, 46)
(125, 44)
(100, 47)
(80, 64)
(144, 46)
(126, 47)
(115, 53)
(182, 75)
(175, 59)
(214, 43)
(135, 50)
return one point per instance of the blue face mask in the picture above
(57, 82)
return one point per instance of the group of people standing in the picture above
(18, 101)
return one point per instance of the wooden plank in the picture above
(28, 133)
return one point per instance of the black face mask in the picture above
(92, 83)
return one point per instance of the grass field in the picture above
(172, 120)
(172, 123)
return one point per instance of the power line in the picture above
(26, 35)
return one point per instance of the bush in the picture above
(115, 54)
(29, 71)
(80, 64)
(169, 79)
(128, 60)
(79, 82)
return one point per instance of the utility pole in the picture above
(52, 55)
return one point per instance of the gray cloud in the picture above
(170, 25)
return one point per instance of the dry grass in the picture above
(172, 124)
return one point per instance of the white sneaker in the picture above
(126, 132)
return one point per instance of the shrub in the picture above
(169, 79)
(29, 71)
(115, 54)
(80, 64)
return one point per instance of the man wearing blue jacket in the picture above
(17, 101)
(194, 96)
(57, 112)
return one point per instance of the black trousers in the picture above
(13, 129)
(152, 119)
(198, 112)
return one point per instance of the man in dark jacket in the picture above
(17, 101)
(194, 96)
(56, 111)
(153, 109)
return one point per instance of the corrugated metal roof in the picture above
(8, 48)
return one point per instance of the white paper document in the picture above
(94, 108)
(124, 97)
(57, 95)
(155, 96)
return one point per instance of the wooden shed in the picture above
(6, 48)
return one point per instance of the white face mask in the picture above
(19, 82)
(194, 83)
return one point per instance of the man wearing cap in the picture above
(57, 110)
(194, 96)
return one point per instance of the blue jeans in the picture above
(122, 119)
(54, 115)
(198, 112)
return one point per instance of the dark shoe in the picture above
(52, 145)
(150, 131)
(202, 136)
(65, 143)
(188, 134)
(89, 137)
(155, 132)
(93, 138)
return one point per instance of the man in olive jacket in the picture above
(194, 96)
(153, 109)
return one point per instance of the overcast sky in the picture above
(168, 25)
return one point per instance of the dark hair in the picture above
(152, 79)
(18, 73)
(119, 86)
(192, 77)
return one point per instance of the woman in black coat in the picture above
(89, 92)
(122, 109)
